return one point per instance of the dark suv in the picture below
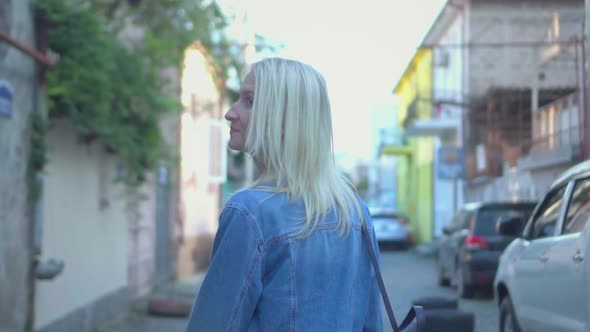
(470, 249)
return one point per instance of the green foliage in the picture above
(172, 26)
(105, 90)
(114, 94)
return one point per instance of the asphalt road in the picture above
(407, 276)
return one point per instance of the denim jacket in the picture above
(263, 278)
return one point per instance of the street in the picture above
(406, 275)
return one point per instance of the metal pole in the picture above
(581, 80)
(455, 197)
(586, 121)
(584, 106)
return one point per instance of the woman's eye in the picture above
(250, 101)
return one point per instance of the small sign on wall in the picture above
(6, 99)
(451, 163)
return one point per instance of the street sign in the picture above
(451, 163)
(6, 99)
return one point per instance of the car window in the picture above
(547, 216)
(455, 222)
(461, 220)
(487, 218)
(578, 211)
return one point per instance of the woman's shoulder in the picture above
(254, 197)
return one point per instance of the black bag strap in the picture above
(414, 313)
(379, 278)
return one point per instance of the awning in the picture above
(432, 127)
(396, 150)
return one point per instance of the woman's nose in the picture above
(230, 115)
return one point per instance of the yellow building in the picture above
(415, 154)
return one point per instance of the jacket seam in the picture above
(262, 201)
(275, 240)
(245, 288)
(251, 222)
(293, 291)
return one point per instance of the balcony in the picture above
(557, 134)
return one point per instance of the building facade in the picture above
(415, 154)
(523, 74)
(448, 105)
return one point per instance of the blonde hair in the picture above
(290, 134)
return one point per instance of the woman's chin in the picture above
(235, 146)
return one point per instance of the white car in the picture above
(543, 280)
(391, 228)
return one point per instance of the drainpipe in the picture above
(35, 54)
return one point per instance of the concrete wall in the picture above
(448, 85)
(15, 221)
(519, 67)
(517, 184)
(141, 240)
(84, 223)
(518, 21)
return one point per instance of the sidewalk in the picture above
(138, 319)
(427, 249)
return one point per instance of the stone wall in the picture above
(18, 71)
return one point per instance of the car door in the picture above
(564, 291)
(458, 238)
(529, 264)
(447, 244)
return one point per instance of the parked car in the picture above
(469, 251)
(391, 228)
(543, 280)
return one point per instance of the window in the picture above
(461, 220)
(487, 218)
(547, 216)
(578, 211)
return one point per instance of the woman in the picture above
(289, 254)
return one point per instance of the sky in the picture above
(361, 48)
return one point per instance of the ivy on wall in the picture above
(112, 93)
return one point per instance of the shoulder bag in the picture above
(414, 320)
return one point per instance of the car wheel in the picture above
(508, 321)
(443, 281)
(465, 291)
(387, 246)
